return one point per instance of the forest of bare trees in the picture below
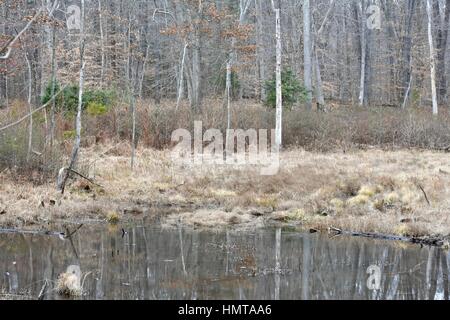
(155, 66)
(344, 52)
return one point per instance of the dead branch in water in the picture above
(42, 233)
(61, 235)
(70, 234)
(428, 241)
(43, 291)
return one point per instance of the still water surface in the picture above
(156, 263)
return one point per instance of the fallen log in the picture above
(426, 241)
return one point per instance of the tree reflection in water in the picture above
(157, 263)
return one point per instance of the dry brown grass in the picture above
(368, 191)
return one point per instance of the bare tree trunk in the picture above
(228, 94)
(307, 56)
(52, 110)
(133, 134)
(260, 52)
(432, 59)
(128, 64)
(65, 172)
(158, 85)
(387, 8)
(30, 106)
(408, 91)
(228, 91)
(7, 48)
(181, 83)
(130, 78)
(196, 74)
(102, 42)
(232, 57)
(441, 46)
(279, 111)
(196, 77)
(319, 86)
(362, 83)
(144, 66)
(316, 71)
(406, 77)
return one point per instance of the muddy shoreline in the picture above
(167, 216)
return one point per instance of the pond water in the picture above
(155, 263)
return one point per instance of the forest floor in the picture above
(404, 192)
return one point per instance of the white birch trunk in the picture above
(30, 129)
(64, 172)
(362, 82)
(408, 90)
(228, 97)
(432, 59)
(228, 94)
(180, 84)
(279, 111)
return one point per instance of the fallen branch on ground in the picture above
(424, 193)
(63, 170)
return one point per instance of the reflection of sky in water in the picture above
(149, 263)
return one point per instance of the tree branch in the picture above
(10, 43)
(33, 112)
(8, 46)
